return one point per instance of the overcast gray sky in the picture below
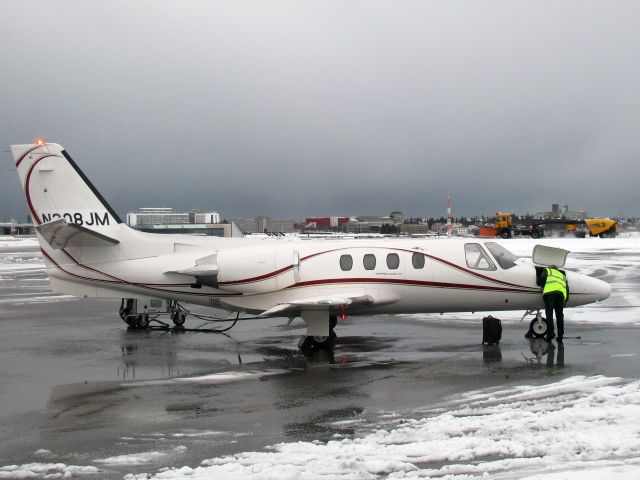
(303, 108)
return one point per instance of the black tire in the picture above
(131, 320)
(324, 342)
(178, 318)
(535, 234)
(539, 327)
(142, 321)
(505, 234)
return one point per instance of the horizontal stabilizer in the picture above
(325, 302)
(60, 234)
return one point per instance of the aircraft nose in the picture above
(603, 290)
(599, 289)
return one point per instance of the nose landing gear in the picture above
(538, 327)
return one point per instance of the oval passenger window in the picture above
(393, 261)
(417, 261)
(369, 261)
(346, 262)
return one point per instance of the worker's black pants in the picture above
(554, 301)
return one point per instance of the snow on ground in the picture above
(580, 427)
(46, 470)
(15, 242)
(140, 458)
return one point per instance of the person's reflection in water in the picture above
(560, 359)
(540, 347)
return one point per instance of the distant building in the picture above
(397, 217)
(414, 228)
(264, 225)
(13, 227)
(326, 223)
(165, 220)
(459, 230)
(166, 216)
(373, 224)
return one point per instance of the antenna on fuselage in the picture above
(449, 225)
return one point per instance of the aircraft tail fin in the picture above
(56, 188)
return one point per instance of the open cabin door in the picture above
(547, 256)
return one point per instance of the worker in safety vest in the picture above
(555, 292)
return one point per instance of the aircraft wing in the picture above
(324, 302)
(61, 234)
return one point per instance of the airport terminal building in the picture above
(165, 220)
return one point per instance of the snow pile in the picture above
(140, 458)
(21, 242)
(586, 426)
(10, 264)
(46, 470)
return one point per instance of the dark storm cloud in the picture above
(308, 108)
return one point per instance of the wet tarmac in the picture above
(78, 387)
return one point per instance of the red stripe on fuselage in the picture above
(437, 259)
(416, 283)
(134, 284)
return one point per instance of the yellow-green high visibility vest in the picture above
(556, 282)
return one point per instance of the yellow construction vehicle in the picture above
(595, 227)
(602, 227)
(505, 228)
(503, 225)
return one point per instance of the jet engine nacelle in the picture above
(257, 270)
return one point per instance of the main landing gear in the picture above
(310, 343)
(140, 313)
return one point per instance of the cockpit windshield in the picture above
(504, 257)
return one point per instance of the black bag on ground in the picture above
(491, 330)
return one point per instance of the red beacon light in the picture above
(343, 316)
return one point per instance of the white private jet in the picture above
(89, 252)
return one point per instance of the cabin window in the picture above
(504, 257)
(417, 260)
(393, 261)
(477, 258)
(346, 262)
(369, 261)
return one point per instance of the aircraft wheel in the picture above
(538, 327)
(142, 321)
(324, 342)
(308, 344)
(178, 318)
